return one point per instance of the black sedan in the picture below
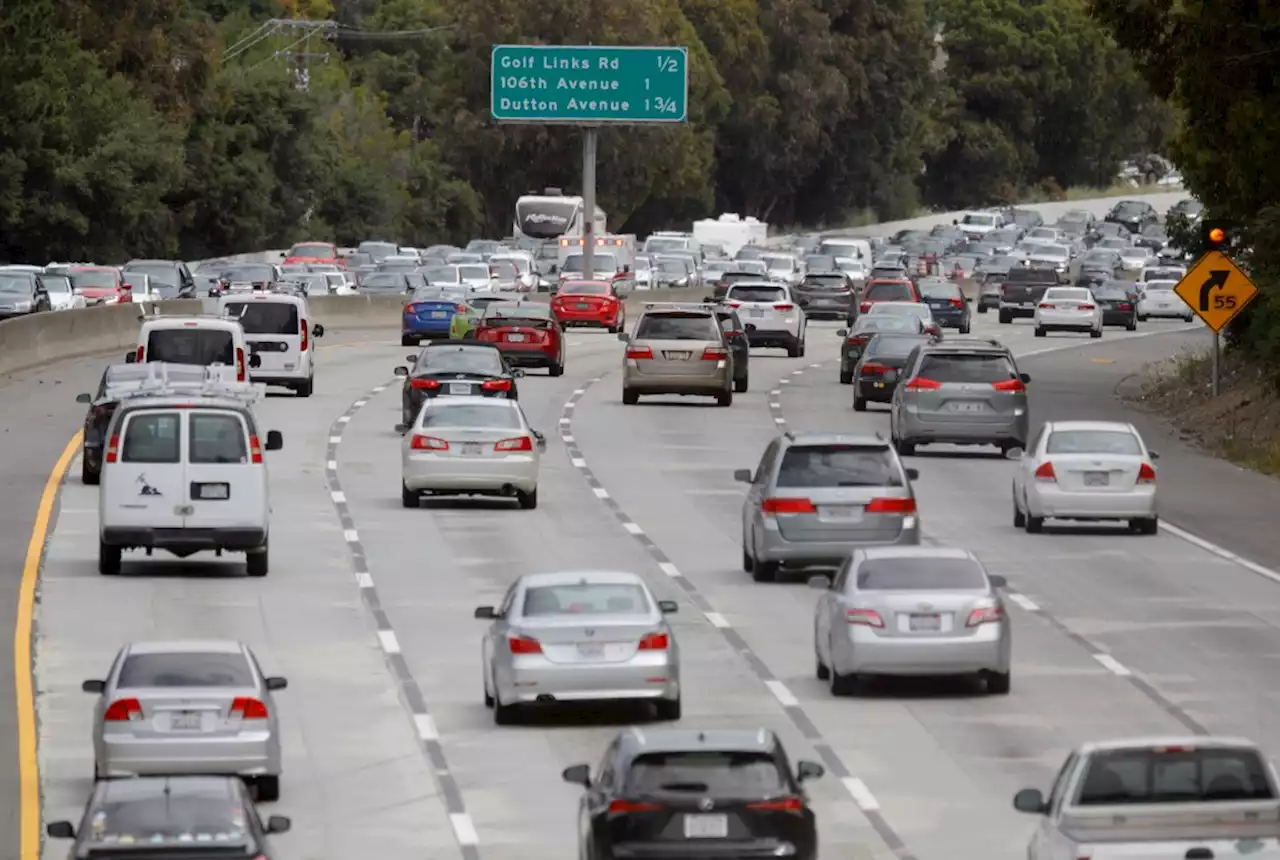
(878, 372)
(1118, 300)
(735, 335)
(1134, 214)
(458, 368)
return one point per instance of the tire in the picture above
(802, 345)
(89, 476)
(266, 788)
(999, 683)
(109, 559)
(1040, 332)
(556, 369)
(1142, 319)
(1005, 318)
(408, 340)
(1019, 518)
(820, 670)
(1096, 333)
(305, 389)
(257, 562)
(905, 449)
(764, 571)
(982, 309)
(488, 698)
(408, 498)
(795, 350)
(505, 715)
(846, 377)
(859, 404)
(668, 709)
(724, 398)
(748, 563)
(841, 685)
(1146, 526)
(740, 385)
(1035, 525)
(630, 397)
(1131, 325)
(528, 501)
(964, 329)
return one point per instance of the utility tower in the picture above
(294, 40)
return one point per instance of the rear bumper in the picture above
(776, 338)
(446, 474)
(1051, 502)
(876, 392)
(523, 356)
(875, 654)
(413, 325)
(197, 540)
(1064, 323)
(587, 318)
(710, 849)
(775, 548)
(245, 754)
(635, 679)
(912, 427)
(1018, 311)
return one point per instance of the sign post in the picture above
(1217, 290)
(589, 86)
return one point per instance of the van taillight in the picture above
(113, 449)
(239, 364)
(255, 450)
(303, 325)
(142, 351)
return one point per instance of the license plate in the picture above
(706, 826)
(926, 622)
(471, 449)
(847, 513)
(459, 388)
(757, 312)
(582, 306)
(591, 649)
(966, 407)
(515, 338)
(185, 721)
(212, 492)
(439, 315)
(1096, 479)
(678, 356)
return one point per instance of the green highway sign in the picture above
(589, 85)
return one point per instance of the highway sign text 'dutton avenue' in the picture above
(1216, 289)
(588, 85)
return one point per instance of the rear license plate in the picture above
(515, 338)
(211, 492)
(471, 449)
(459, 388)
(591, 649)
(926, 622)
(706, 826)
(1096, 479)
(185, 721)
(962, 406)
(439, 315)
(845, 513)
(677, 355)
(582, 306)
(756, 312)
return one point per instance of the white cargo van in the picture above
(207, 341)
(280, 334)
(183, 471)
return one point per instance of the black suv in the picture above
(688, 793)
(1134, 214)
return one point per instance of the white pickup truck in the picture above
(1199, 798)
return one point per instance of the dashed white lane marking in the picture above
(364, 580)
(784, 381)
(782, 694)
(773, 404)
(565, 422)
(861, 794)
(389, 642)
(1025, 602)
(601, 492)
(335, 440)
(779, 420)
(716, 619)
(463, 828)
(815, 365)
(380, 388)
(777, 392)
(578, 463)
(669, 569)
(345, 418)
(797, 372)
(426, 727)
(338, 496)
(360, 404)
(570, 405)
(351, 536)
(633, 528)
(332, 465)
(1112, 665)
(578, 392)
(568, 439)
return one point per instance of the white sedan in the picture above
(1068, 309)
(1085, 470)
(1136, 258)
(1159, 300)
(470, 446)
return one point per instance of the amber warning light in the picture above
(1217, 235)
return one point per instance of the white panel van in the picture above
(207, 341)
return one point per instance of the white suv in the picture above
(771, 315)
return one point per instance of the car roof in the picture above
(638, 740)
(142, 787)
(573, 577)
(772, 284)
(186, 646)
(210, 320)
(917, 552)
(185, 401)
(1121, 426)
(803, 439)
(967, 344)
(470, 400)
(459, 346)
(1220, 741)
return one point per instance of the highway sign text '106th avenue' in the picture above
(587, 85)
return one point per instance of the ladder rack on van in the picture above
(177, 380)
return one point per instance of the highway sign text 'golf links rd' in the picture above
(1216, 289)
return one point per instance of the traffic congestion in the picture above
(805, 621)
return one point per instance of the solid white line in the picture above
(1221, 552)
(566, 437)
(338, 496)
(669, 569)
(782, 694)
(364, 580)
(1111, 664)
(332, 465)
(578, 463)
(601, 492)
(389, 642)
(716, 619)
(1025, 602)
(633, 528)
(335, 440)
(359, 404)
(861, 794)
(344, 419)
(351, 536)
(578, 392)
(1093, 343)
(464, 829)
(426, 727)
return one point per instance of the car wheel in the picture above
(905, 449)
(89, 476)
(408, 498)
(305, 388)
(108, 559)
(1040, 332)
(1096, 333)
(1131, 325)
(1142, 318)
(556, 369)
(1035, 525)
(1019, 518)
(964, 329)
(266, 788)
(982, 309)
(859, 404)
(1005, 318)
(802, 344)
(408, 340)
(505, 715)
(748, 563)
(528, 501)
(630, 397)
(668, 709)
(740, 385)
(794, 351)
(999, 683)
(724, 398)
(846, 377)
(1146, 526)
(841, 685)
(256, 561)
(764, 571)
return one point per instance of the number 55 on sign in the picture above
(1216, 290)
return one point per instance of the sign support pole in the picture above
(590, 139)
(1217, 361)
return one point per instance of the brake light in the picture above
(922, 384)
(1009, 385)
(864, 617)
(240, 363)
(462, 309)
(985, 615)
(732, 333)
(735, 304)
(424, 384)
(624, 806)
(639, 352)
(858, 339)
(1046, 473)
(519, 443)
(142, 351)
(123, 710)
(715, 353)
(781, 804)
(496, 385)
(113, 449)
(1146, 474)
(428, 443)
(784, 307)
(523, 645)
(891, 506)
(303, 325)
(248, 708)
(412, 308)
(255, 449)
(1173, 749)
(1125, 306)
(1045, 306)
(1085, 308)
(655, 642)
(786, 506)
(873, 369)
(864, 307)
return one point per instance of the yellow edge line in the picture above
(28, 761)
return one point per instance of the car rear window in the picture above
(1067, 296)
(756, 294)
(94, 280)
(713, 773)
(317, 251)
(1119, 442)
(838, 465)
(1174, 775)
(892, 346)
(883, 292)
(976, 367)
(441, 413)
(1110, 294)
(217, 438)
(456, 359)
(201, 346)
(937, 290)
(386, 282)
(826, 283)
(152, 437)
(186, 669)
(593, 598)
(920, 574)
(734, 277)
(677, 327)
(887, 322)
(265, 317)
(585, 288)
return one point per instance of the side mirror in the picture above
(517, 373)
(1025, 377)
(402, 429)
(1030, 800)
(275, 441)
(130, 357)
(818, 582)
(668, 607)
(317, 330)
(127, 287)
(411, 359)
(278, 824)
(624, 337)
(255, 360)
(1154, 455)
(541, 441)
(402, 371)
(486, 612)
(84, 398)
(626, 270)
(60, 830)
(842, 332)
(743, 476)
(913, 474)
(94, 686)
(577, 774)
(809, 770)
(1014, 454)
(276, 683)
(998, 581)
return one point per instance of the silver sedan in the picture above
(579, 636)
(169, 708)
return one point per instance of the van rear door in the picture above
(143, 473)
(197, 344)
(225, 478)
(274, 330)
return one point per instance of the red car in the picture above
(315, 252)
(883, 290)
(100, 285)
(526, 333)
(590, 303)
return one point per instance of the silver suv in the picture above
(963, 391)
(677, 349)
(817, 496)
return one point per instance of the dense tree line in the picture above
(150, 128)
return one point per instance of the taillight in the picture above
(624, 806)
(715, 353)
(639, 352)
(891, 506)
(985, 615)
(303, 325)
(784, 307)
(1086, 308)
(248, 708)
(496, 385)
(1009, 385)
(781, 804)
(1046, 473)
(735, 304)
(864, 307)
(864, 617)
(424, 384)
(1045, 306)
(922, 384)
(1146, 474)
(858, 339)
(412, 308)
(523, 645)
(519, 443)
(123, 710)
(113, 449)
(462, 309)
(142, 351)
(255, 449)
(428, 443)
(786, 506)
(873, 369)
(655, 642)
(240, 364)
(1124, 306)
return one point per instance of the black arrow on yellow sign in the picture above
(1217, 280)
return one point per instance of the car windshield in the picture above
(585, 288)
(460, 359)
(15, 285)
(838, 465)
(186, 669)
(921, 573)
(1121, 442)
(755, 293)
(677, 326)
(60, 284)
(713, 773)
(1174, 775)
(967, 367)
(889, 292)
(137, 813)
(590, 598)
(384, 282)
(441, 413)
(94, 280)
(324, 252)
